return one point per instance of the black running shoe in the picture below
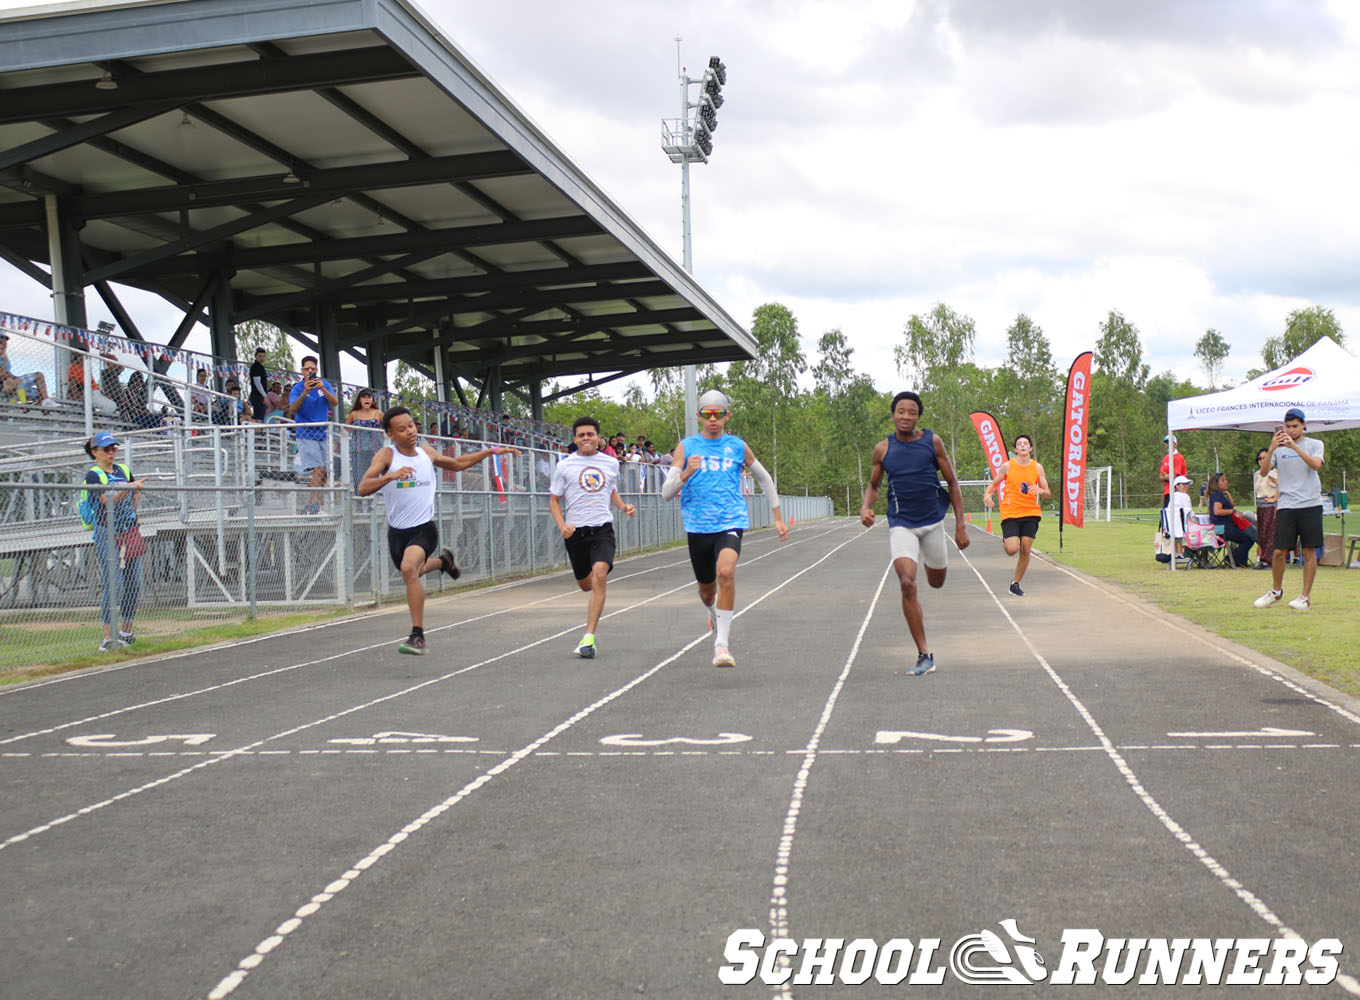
(415, 644)
(1015, 589)
(450, 567)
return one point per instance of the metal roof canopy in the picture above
(332, 166)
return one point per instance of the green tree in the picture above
(255, 333)
(768, 383)
(1302, 329)
(1027, 386)
(1212, 350)
(1119, 381)
(850, 402)
(937, 349)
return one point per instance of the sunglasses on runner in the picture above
(712, 414)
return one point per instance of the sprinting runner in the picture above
(916, 508)
(588, 481)
(706, 472)
(1020, 513)
(404, 472)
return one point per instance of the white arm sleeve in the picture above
(766, 482)
(671, 487)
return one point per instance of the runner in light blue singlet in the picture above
(706, 473)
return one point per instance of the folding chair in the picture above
(1205, 547)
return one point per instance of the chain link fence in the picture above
(220, 553)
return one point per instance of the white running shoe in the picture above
(1300, 603)
(722, 658)
(1268, 598)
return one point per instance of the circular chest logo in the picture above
(1288, 380)
(591, 479)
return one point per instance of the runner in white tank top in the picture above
(404, 473)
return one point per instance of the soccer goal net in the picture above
(1099, 492)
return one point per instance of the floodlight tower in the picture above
(689, 139)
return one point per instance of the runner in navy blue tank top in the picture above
(917, 503)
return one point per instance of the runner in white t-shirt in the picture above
(405, 474)
(587, 481)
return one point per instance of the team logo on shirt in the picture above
(591, 479)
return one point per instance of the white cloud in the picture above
(1188, 164)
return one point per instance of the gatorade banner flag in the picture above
(993, 445)
(1072, 508)
(496, 476)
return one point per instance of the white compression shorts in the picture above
(920, 545)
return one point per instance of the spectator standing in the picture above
(1172, 465)
(125, 558)
(1265, 482)
(1221, 510)
(367, 437)
(1298, 515)
(310, 402)
(258, 388)
(198, 395)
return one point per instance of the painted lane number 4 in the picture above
(107, 740)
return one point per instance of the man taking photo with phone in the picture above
(1298, 512)
(310, 402)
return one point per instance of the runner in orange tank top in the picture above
(1020, 513)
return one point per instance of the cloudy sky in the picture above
(1191, 163)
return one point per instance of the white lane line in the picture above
(1225, 877)
(1204, 640)
(168, 699)
(252, 961)
(779, 900)
(824, 751)
(76, 675)
(240, 751)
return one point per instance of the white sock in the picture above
(723, 622)
(712, 612)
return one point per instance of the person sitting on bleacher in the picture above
(30, 388)
(132, 406)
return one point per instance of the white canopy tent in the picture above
(1323, 382)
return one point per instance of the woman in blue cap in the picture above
(126, 558)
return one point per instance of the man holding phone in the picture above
(1297, 459)
(310, 402)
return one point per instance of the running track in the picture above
(312, 815)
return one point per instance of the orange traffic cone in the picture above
(989, 523)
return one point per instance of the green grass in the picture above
(1320, 642)
(59, 641)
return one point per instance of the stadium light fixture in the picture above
(689, 139)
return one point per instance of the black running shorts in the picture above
(704, 549)
(590, 545)
(1298, 526)
(424, 536)
(1019, 527)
